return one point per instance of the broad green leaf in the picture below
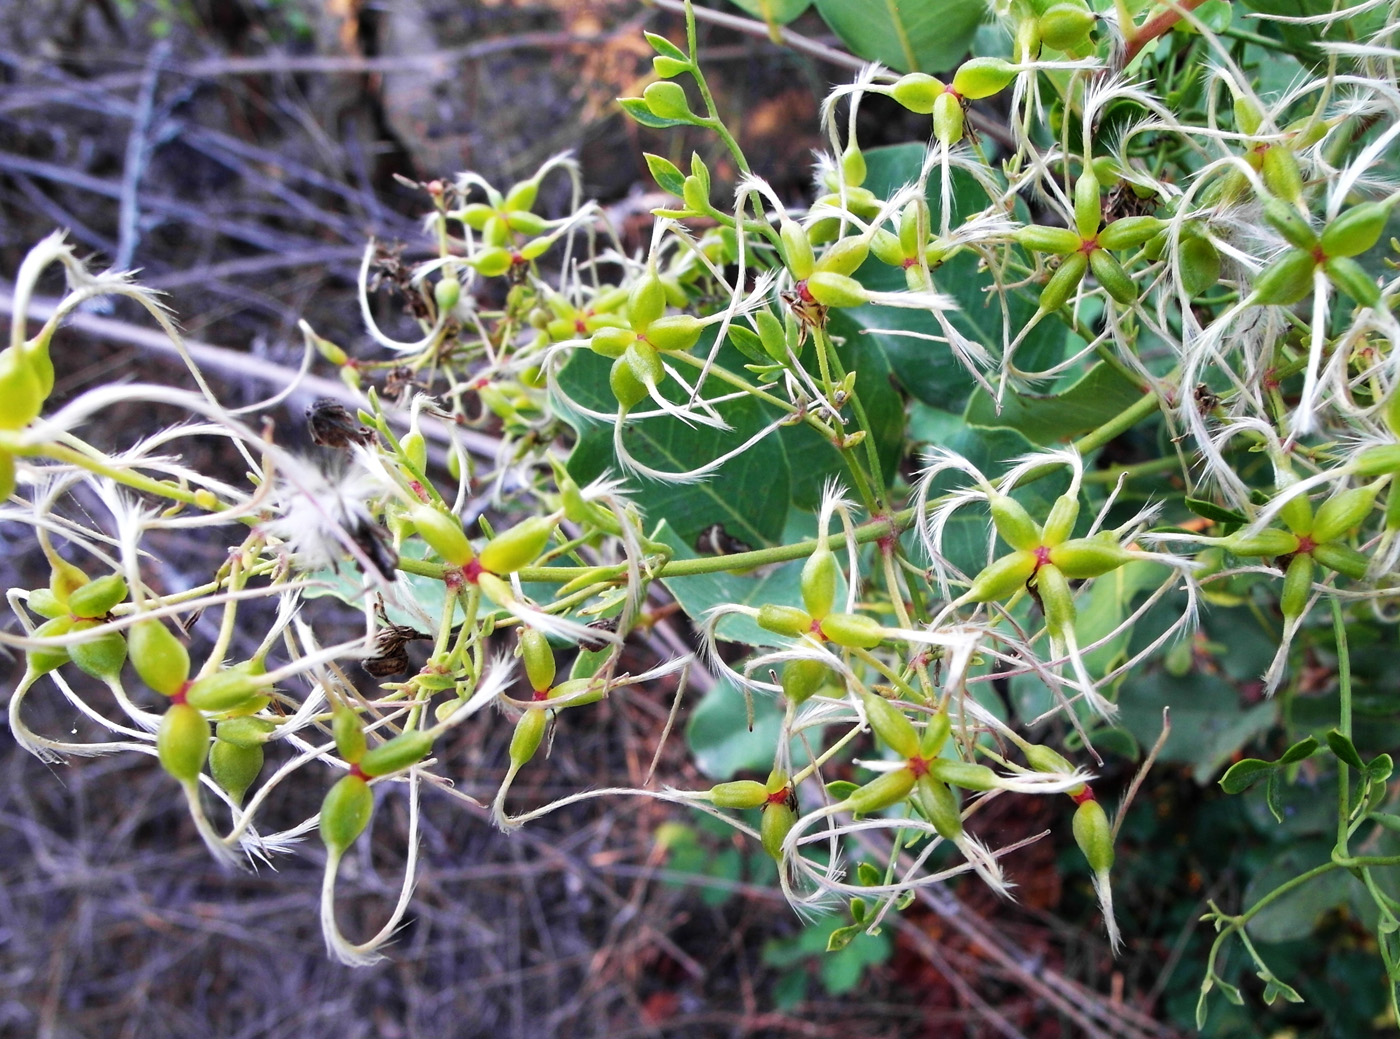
(1243, 774)
(1378, 769)
(906, 35)
(1345, 750)
(665, 47)
(1106, 605)
(1103, 393)
(637, 108)
(719, 738)
(668, 178)
(773, 12)
(1304, 748)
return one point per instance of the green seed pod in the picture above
(522, 195)
(646, 302)
(246, 731)
(940, 806)
(1297, 586)
(1344, 559)
(1113, 277)
(1066, 27)
(65, 579)
(742, 793)
(820, 576)
(880, 793)
(98, 597)
(853, 165)
(446, 293)
(1287, 221)
(223, 690)
(1057, 600)
(1351, 278)
(967, 775)
(1081, 558)
(890, 724)
(1248, 118)
(982, 77)
(1374, 461)
(1088, 210)
(235, 768)
(852, 629)
(1059, 524)
(1356, 230)
(802, 678)
(345, 813)
(948, 119)
(415, 447)
(476, 216)
(1002, 578)
(1014, 523)
(676, 332)
(778, 821)
(21, 395)
(1094, 835)
(443, 533)
(1199, 267)
(517, 547)
(836, 290)
(1281, 174)
(1344, 512)
(917, 92)
(42, 661)
(1063, 282)
(935, 735)
(539, 658)
(492, 261)
(797, 249)
(529, 731)
(1270, 542)
(914, 227)
(611, 341)
(577, 692)
(1044, 759)
(102, 656)
(844, 256)
(1129, 232)
(405, 749)
(349, 733)
(666, 100)
(182, 742)
(158, 656)
(1058, 240)
(784, 620)
(1287, 280)
(46, 604)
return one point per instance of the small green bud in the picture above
(1200, 266)
(1297, 586)
(349, 733)
(982, 77)
(967, 775)
(529, 732)
(538, 657)
(836, 290)
(1344, 559)
(646, 302)
(522, 196)
(853, 629)
(802, 678)
(1287, 221)
(1374, 461)
(1066, 27)
(797, 249)
(98, 597)
(223, 690)
(1057, 599)
(443, 533)
(940, 806)
(394, 755)
(517, 547)
(1014, 523)
(492, 261)
(1088, 210)
(1129, 232)
(611, 341)
(853, 165)
(880, 793)
(1082, 558)
(1063, 282)
(102, 656)
(42, 661)
(246, 731)
(46, 604)
(844, 256)
(235, 768)
(1351, 278)
(446, 293)
(1045, 759)
(1356, 230)
(345, 813)
(182, 742)
(1058, 240)
(742, 793)
(676, 332)
(948, 119)
(1281, 174)
(1094, 835)
(1248, 118)
(696, 194)
(1059, 524)
(158, 656)
(917, 92)
(890, 724)
(1287, 280)
(784, 620)
(935, 735)
(820, 576)
(1270, 542)
(1344, 512)
(778, 821)
(21, 395)
(1113, 277)
(1002, 578)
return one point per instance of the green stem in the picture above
(1339, 630)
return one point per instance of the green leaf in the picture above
(842, 937)
(773, 12)
(664, 46)
(719, 738)
(1211, 511)
(1378, 769)
(840, 789)
(1273, 989)
(638, 110)
(1273, 797)
(668, 178)
(1243, 774)
(746, 341)
(1100, 395)
(1304, 748)
(858, 910)
(1390, 822)
(868, 876)
(907, 35)
(1345, 750)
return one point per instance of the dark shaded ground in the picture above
(239, 154)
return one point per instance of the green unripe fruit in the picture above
(936, 731)
(778, 821)
(476, 215)
(1058, 240)
(666, 100)
(914, 227)
(158, 656)
(538, 657)
(836, 290)
(529, 731)
(1351, 278)
(1113, 277)
(844, 256)
(784, 620)
(21, 395)
(1059, 524)
(446, 293)
(940, 806)
(853, 165)
(492, 261)
(235, 768)
(1344, 559)
(1344, 512)
(1200, 266)
(1129, 232)
(742, 793)
(1287, 221)
(646, 302)
(1002, 578)
(102, 656)
(1082, 558)
(345, 813)
(46, 604)
(522, 196)
(1374, 461)
(890, 724)
(1297, 586)
(576, 692)
(982, 77)
(223, 690)
(797, 249)
(852, 629)
(97, 597)
(42, 661)
(967, 775)
(1281, 174)
(349, 733)
(1287, 280)
(519, 546)
(1356, 230)
(65, 579)
(882, 792)
(1063, 282)
(917, 92)
(1269, 542)
(182, 742)
(611, 341)
(443, 533)
(1066, 27)
(1248, 118)
(802, 678)
(1057, 599)
(405, 749)
(1044, 759)
(1094, 835)
(246, 731)
(1014, 523)
(948, 119)
(820, 576)
(676, 332)
(415, 446)
(1088, 210)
